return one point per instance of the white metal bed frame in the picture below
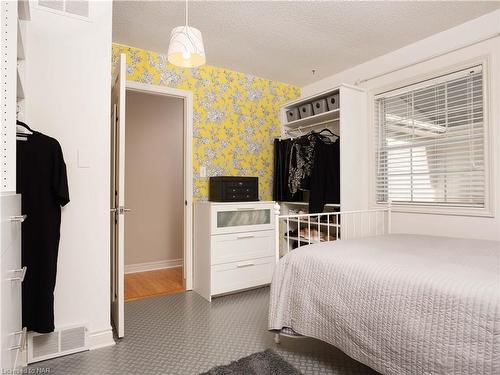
(345, 225)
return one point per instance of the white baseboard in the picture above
(100, 339)
(151, 266)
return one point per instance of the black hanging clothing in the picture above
(301, 163)
(281, 191)
(42, 181)
(325, 176)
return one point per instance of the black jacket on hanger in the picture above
(42, 181)
(281, 190)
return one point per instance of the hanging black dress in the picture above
(42, 181)
(325, 176)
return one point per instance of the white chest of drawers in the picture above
(234, 246)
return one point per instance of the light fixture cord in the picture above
(186, 12)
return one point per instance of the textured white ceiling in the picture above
(286, 40)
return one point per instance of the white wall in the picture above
(487, 25)
(154, 178)
(68, 98)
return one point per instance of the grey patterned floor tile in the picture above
(184, 334)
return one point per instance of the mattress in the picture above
(401, 304)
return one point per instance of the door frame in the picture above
(187, 97)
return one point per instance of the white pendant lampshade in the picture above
(186, 46)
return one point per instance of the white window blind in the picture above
(430, 147)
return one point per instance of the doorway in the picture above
(154, 194)
(151, 192)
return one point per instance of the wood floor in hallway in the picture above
(141, 285)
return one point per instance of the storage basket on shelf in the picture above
(306, 110)
(333, 102)
(292, 114)
(319, 106)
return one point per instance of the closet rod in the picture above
(311, 126)
(360, 81)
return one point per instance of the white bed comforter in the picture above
(401, 304)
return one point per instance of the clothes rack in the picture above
(309, 163)
(300, 128)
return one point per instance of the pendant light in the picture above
(186, 46)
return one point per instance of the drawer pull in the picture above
(245, 236)
(22, 272)
(18, 218)
(248, 264)
(22, 341)
(245, 209)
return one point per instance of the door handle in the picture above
(18, 218)
(245, 209)
(21, 276)
(122, 210)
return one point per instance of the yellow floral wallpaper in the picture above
(236, 115)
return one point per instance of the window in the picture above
(69, 7)
(430, 142)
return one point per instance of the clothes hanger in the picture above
(328, 131)
(22, 128)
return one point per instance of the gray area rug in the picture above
(261, 363)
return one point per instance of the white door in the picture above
(118, 209)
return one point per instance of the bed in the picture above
(399, 303)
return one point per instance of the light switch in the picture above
(83, 158)
(203, 171)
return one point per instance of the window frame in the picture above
(439, 208)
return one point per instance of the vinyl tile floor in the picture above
(184, 334)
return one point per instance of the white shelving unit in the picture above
(350, 122)
(14, 16)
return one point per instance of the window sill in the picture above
(439, 210)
